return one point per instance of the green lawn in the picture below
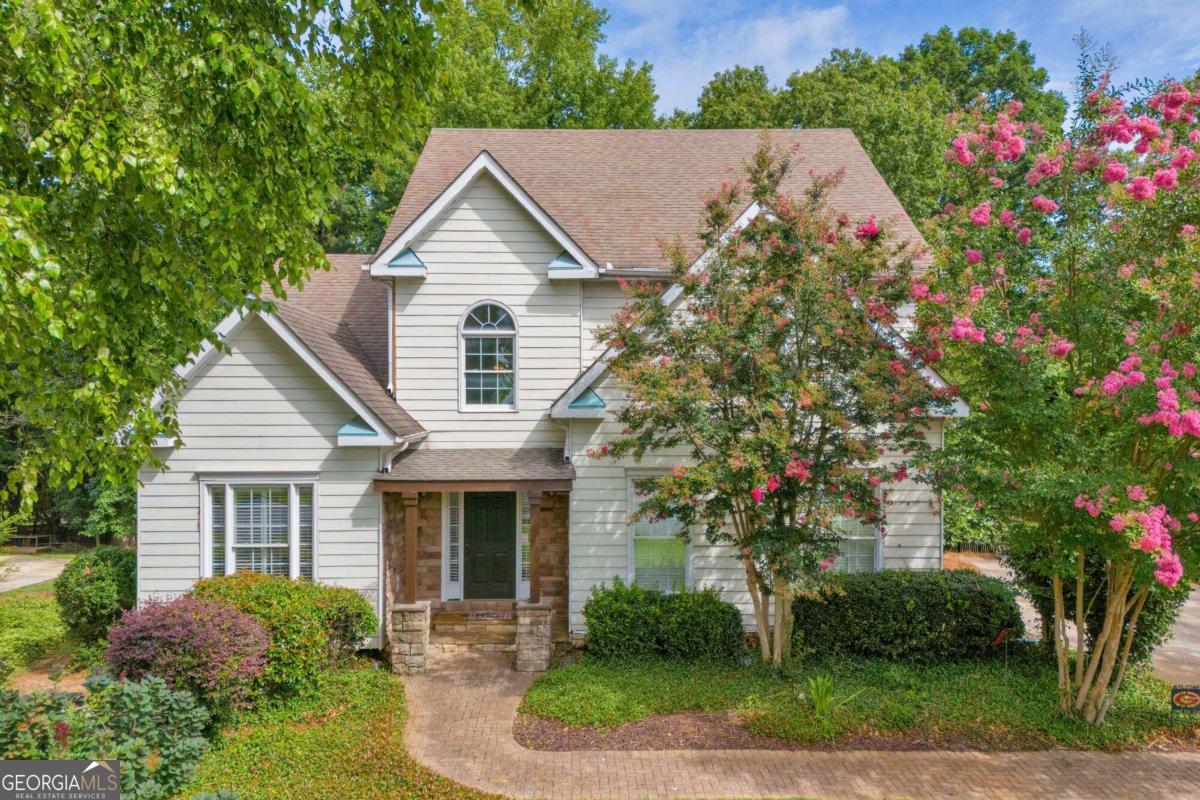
(988, 705)
(29, 625)
(345, 742)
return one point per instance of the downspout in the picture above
(405, 441)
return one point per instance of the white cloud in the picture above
(687, 44)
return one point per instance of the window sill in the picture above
(465, 409)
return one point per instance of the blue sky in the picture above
(687, 41)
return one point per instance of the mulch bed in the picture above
(691, 730)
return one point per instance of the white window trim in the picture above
(462, 336)
(877, 551)
(630, 566)
(235, 481)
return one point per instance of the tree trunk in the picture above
(1095, 685)
(783, 599)
(1080, 617)
(1060, 645)
(760, 611)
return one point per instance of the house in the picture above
(414, 424)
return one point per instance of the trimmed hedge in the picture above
(93, 589)
(207, 647)
(909, 615)
(311, 626)
(627, 621)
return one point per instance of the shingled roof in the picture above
(341, 316)
(622, 194)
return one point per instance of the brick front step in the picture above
(454, 622)
(445, 648)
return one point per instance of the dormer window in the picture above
(488, 344)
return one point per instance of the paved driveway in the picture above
(28, 571)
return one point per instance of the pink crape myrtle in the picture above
(1064, 302)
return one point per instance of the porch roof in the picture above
(478, 469)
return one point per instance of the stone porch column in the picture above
(409, 640)
(533, 636)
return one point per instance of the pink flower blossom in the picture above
(1135, 493)
(1193, 517)
(1024, 235)
(1114, 171)
(981, 214)
(1117, 524)
(974, 256)
(960, 150)
(965, 328)
(773, 484)
(868, 230)
(1008, 218)
(1044, 204)
(1165, 178)
(757, 494)
(1125, 270)
(1141, 188)
(799, 469)
(1059, 348)
(1169, 571)
(919, 291)
(976, 293)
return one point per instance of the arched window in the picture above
(489, 366)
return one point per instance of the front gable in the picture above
(402, 257)
(269, 375)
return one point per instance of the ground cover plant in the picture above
(343, 742)
(30, 626)
(986, 704)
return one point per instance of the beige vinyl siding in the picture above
(486, 247)
(599, 543)
(260, 409)
(601, 299)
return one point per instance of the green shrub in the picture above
(310, 626)
(94, 588)
(623, 621)
(627, 621)
(1154, 625)
(154, 731)
(700, 625)
(907, 614)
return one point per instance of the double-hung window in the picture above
(859, 548)
(267, 527)
(489, 362)
(658, 555)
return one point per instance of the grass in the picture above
(345, 742)
(30, 627)
(986, 705)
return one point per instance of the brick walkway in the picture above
(460, 724)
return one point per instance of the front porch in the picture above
(475, 553)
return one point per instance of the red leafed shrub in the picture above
(207, 647)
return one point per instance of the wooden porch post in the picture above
(410, 547)
(535, 527)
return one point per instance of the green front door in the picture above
(490, 545)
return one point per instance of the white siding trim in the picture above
(484, 162)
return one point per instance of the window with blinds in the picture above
(269, 529)
(658, 553)
(859, 546)
(525, 523)
(453, 545)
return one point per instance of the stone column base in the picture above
(533, 636)
(409, 638)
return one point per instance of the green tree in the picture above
(504, 64)
(771, 371)
(737, 98)
(976, 62)
(1063, 294)
(900, 123)
(157, 162)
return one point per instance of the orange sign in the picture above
(1185, 698)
